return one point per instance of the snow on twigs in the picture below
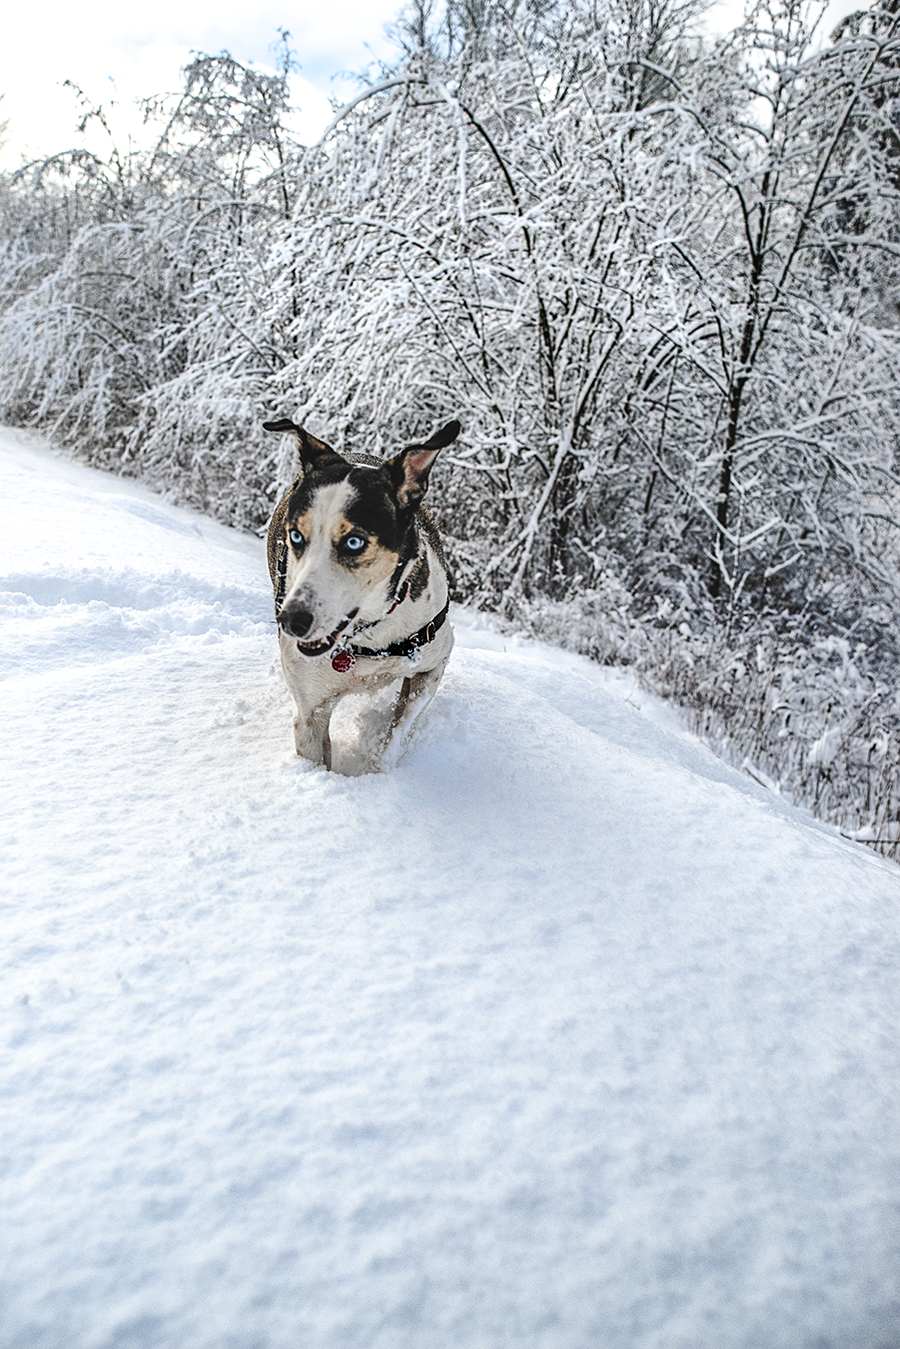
(561, 1034)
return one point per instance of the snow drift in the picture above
(561, 1035)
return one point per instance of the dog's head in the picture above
(349, 529)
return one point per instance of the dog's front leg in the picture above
(313, 704)
(311, 738)
(415, 695)
(373, 726)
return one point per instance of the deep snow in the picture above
(562, 1035)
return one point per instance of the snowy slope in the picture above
(560, 1036)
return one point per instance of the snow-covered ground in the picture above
(562, 1035)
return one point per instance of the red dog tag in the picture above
(342, 661)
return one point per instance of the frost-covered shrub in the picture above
(122, 286)
(812, 718)
(598, 622)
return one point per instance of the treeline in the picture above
(655, 277)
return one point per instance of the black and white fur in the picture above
(357, 568)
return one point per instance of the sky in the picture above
(119, 53)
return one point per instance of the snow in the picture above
(824, 751)
(561, 1035)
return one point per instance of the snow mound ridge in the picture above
(127, 588)
(56, 620)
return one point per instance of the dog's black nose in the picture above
(296, 622)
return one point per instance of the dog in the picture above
(361, 597)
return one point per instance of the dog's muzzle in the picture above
(297, 623)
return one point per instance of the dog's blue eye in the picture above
(355, 543)
(296, 537)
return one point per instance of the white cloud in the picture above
(122, 53)
(723, 15)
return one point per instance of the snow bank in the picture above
(562, 1035)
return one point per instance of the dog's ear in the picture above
(409, 469)
(312, 451)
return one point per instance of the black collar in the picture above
(410, 645)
